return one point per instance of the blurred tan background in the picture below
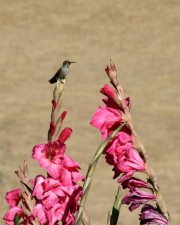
(143, 39)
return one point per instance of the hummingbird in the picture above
(62, 72)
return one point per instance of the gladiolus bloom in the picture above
(13, 197)
(129, 162)
(132, 183)
(136, 198)
(149, 215)
(49, 156)
(105, 118)
(9, 217)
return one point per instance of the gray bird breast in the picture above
(64, 72)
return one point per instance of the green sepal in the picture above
(17, 220)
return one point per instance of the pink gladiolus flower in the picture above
(9, 217)
(136, 198)
(13, 197)
(49, 156)
(129, 162)
(132, 183)
(52, 195)
(105, 118)
(149, 215)
(120, 142)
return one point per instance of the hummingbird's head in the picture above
(67, 63)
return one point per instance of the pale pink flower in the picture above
(9, 217)
(50, 156)
(129, 162)
(132, 183)
(13, 197)
(149, 215)
(136, 198)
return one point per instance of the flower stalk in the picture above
(120, 100)
(56, 119)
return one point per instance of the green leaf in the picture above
(17, 220)
(29, 189)
(116, 208)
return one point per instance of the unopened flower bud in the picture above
(25, 169)
(113, 67)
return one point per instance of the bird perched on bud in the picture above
(62, 72)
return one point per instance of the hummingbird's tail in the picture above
(53, 80)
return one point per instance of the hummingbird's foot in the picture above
(62, 81)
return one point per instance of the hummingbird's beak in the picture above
(72, 62)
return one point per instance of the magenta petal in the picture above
(126, 176)
(110, 103)
(38, 187)
(149, 215)
(57, 213)
(39, 212)
(109, 92)
(68, 162)
(104, 118)
(51, 184)
(136, 198)
(130, 160)
(66, 177)
(54, 170)
(9, 216)
(76, 175)
(13, 197)
(65, 134)
(132, 183)
(50, 199)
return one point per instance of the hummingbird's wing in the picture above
(55, 77)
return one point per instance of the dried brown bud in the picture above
(113, 67)
(25, 169)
